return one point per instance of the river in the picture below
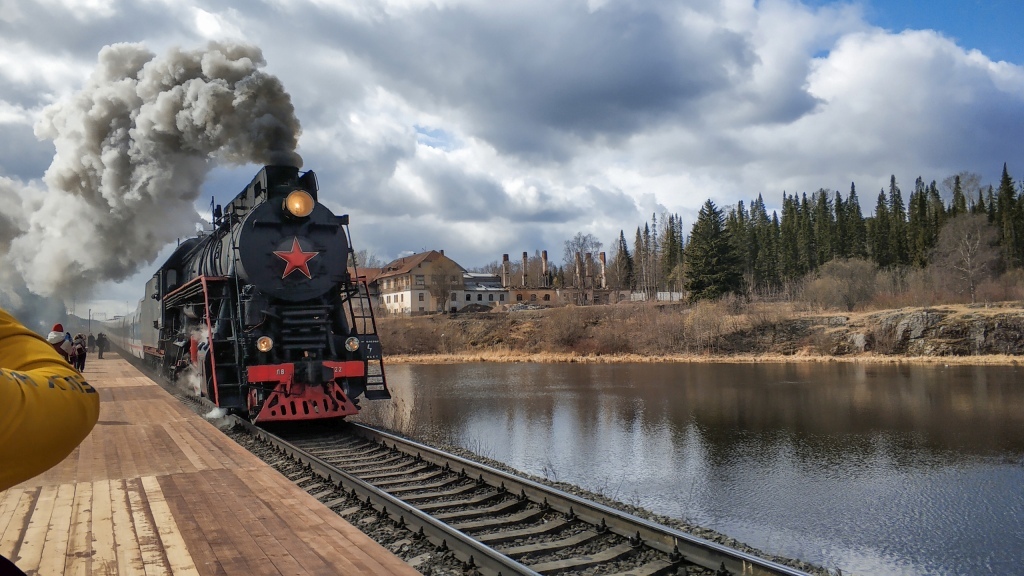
(871, 469)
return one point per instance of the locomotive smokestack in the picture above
(504, 270)
(525, 260)
(134, 146)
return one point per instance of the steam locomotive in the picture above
(262, 315)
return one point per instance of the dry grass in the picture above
(723, 331)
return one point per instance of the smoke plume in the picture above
(132, 149)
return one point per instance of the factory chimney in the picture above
(504, 270)
(588, 281)
(604, 264)
(524, 270)
(544, 268)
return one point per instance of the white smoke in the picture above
(191, 380)
(132, 149)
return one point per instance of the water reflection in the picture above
(869, 468)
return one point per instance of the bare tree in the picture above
(966, 250)
(970, 184)
(579, 244)
(842, 283)
(365, 259)
(445, 276)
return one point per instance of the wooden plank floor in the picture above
(156, 490)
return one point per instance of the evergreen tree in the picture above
(764, 245)
(824, 227)
(773, 243)
(898, 225)
(736, 226)
(881, 233)
(713, 267)
(979, 206)
(805, 230)
(857, 230)
(842, 236)
(958, 205)
(1005, 219)
(990, 208)
(624, 264)
(639, 262)
(671, 247)
(936, 214)
(789, 239)
(918, 224)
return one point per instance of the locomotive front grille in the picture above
(305, 328)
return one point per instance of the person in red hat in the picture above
(60, 342)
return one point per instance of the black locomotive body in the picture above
(262, 315)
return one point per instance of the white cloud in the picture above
(217, 26)
(25, 64)
(474, 126)
(82, 10)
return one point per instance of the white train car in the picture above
(124, 333)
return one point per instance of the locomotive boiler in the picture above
(262, 315)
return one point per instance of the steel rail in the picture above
(468, 550)
(693, 549)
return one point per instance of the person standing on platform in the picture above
(61, 344)
(101, 344)
(78, 352)
(92, 343)
(46, 407)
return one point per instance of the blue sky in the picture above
(484, 128)
(992, 26)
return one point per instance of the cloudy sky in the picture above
(484, 128)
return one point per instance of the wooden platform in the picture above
(155, 489)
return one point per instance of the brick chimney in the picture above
(504, 270)
(588, 281)
(604, 264)
(544, 268)
(525, 260)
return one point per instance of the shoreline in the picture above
(570, 358)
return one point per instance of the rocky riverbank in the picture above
(722, 331)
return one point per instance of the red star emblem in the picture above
(295, 259)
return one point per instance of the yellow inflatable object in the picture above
(46, 406)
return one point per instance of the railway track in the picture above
(498, 523)
(491, 521)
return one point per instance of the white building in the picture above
(413, 285)
(479, 291)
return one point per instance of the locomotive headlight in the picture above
(352, 344)
(299, 203)
(264, 343)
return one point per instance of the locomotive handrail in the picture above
(175, 295)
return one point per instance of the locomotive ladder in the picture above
(360, 309)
